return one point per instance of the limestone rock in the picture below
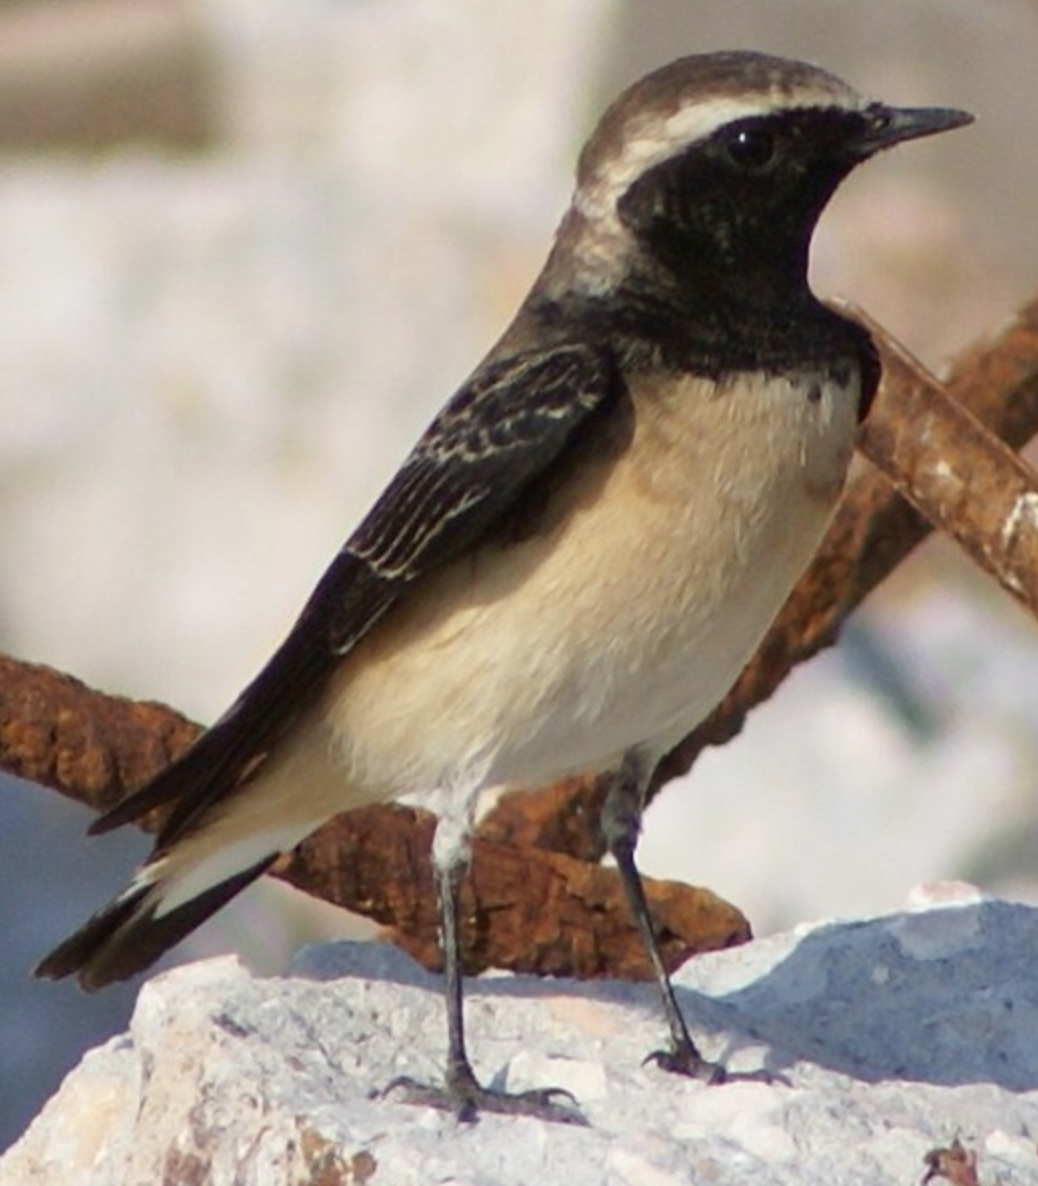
(885, 1039)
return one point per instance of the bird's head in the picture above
(714, 169)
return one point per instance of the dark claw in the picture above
(691, 1064)
(466, 1099)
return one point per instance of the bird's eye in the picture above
(751, 148)
(879, 117)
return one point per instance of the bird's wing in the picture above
(489, 445)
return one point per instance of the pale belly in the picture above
(624, 624)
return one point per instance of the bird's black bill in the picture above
(887, 126)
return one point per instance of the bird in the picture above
(585, 547)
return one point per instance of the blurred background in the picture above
(248, 247)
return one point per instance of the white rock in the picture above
(224, 1078)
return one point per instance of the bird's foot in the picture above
(685, 1059)
(465, 1097)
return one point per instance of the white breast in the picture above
(623, 624)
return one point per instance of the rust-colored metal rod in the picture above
(965, 480)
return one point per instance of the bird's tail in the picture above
(250, 788)
(134, 929)
(205, 854)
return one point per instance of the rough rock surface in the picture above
(884, 1039)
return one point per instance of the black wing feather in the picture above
(498, 433)
(481, 454)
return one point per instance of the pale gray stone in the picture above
(884, 1039)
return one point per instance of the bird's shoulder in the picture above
(496, 437)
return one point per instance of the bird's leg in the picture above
(621, 824)
(462, 1092)
(461, 1079)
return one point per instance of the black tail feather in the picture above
(126, 936)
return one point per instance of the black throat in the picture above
(650, 325)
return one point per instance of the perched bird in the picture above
(587, 544)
